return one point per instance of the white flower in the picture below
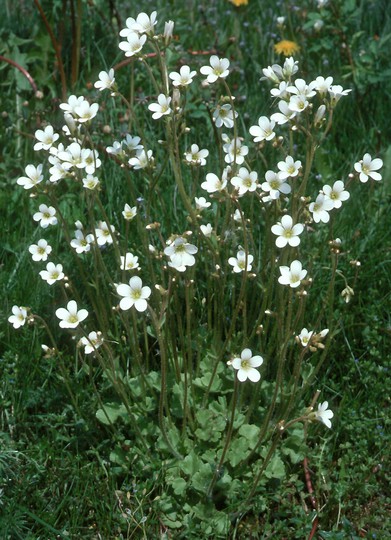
(46, 216)
(92, 342)
(213, 183)
(104, 233)
(298, 103)
(71, 317)
(52, 273)
(323, 414)
(90, 182)
(74, 155)
(239, 263)
(264, 130)
(106, 80)
(224, 116)
(132, 144)
(45, 138)
(18, 317)
(129, 262)
(275, 185)
(237, 216)
(134, 294)
(336, 194)
(59, 170)
(289, 167)
(145, 24)
(183, 78)
(322, 85)
(195, 156)
(281, 91)
(290, 67)
(33, 177)
(245, 181)
(292, 275)
(161, 108)
(301, 88)
(219, 69)
(367, 168)
(168, 31)
(320, 208)
(133, 44)
(116, 149)
(235, 151)
(81, 243)
(287, 232)
(336, 92)
(86, 111)
(181, 252)
(201, 203)
(129, 212)
(40, 251)
(284, 115)
(142, 160)
(71, 104)
(246, 365)
(305, 337)
(206, 230)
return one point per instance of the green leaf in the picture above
(276, 468)
(251, 433)
(110, 413)
(191, 464)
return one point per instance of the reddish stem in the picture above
(310, 490)
(22, 70)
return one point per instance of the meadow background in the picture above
(58, 476)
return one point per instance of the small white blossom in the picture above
(129, 212)
(34, 177)
(104, 233)
(336, 92)
(292, 275)
(161, 108)
(142, 160)
(132, 144)
(46, 216)
(195, 156)
(81, 243)
(246, 366)
(90, 182)
(245, 181)
(284, 115)
(129, 262)
(18, 317)
(322, 85)
(305, 337)
(298, 103)
(218, 69)
(52, 273)
(183, 78)
(367, 168)
(86, 111)
(181, 253)
(46, 138)
(145, 24)
(73, 102)
(40, 251)
(223, 115)
(289, 167)
(287, 232)
(206, 230)
(264, 130)
(275, 185)
(280, 92)
(213, 183)
(336, 194)
(320, 208)
(235, 151)
(133, 44)
(301, 88)
(106, 80)
(92, 342)
(71, 317)
(201, 203)
(323, 414)
(168, 31)
(238, 263)
(133, 294)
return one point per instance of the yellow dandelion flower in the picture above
(238, 3)
(286, 47)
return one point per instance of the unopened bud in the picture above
(319, 114)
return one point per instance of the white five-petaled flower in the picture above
(305, 337)
(181, 253)
(336, 194)
(264, 130)
(71, 104)
(323, 414)
(213, 183)
(133, 294)
(34, 177)
(46, 138)
(52, 273)
(246, 366)
(292, 275)
(104, 233)
(245, 181)
(86, 111)
(40, 251)
(206, 230)
(286, 232)
(201, 203)
(235, 151)
(161, 108)
(223, 115)
(195, 156)
(129, 262)
(289, 167)
(81, 243)
(129, 212)
(92, 342)
(336, 92)
(133, 44)
(142, 160)
(218, 69)
(284, 115)
(71, 316)
(18, 317)
(275, 185)
(322, 85)
(144, 24)
(106, 80)
(90, 182)
(238, 263)
(46, 216)
(320, 208)
(183, 78)
(367, 168)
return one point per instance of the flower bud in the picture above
(319, 114)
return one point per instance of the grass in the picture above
(65, 475)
